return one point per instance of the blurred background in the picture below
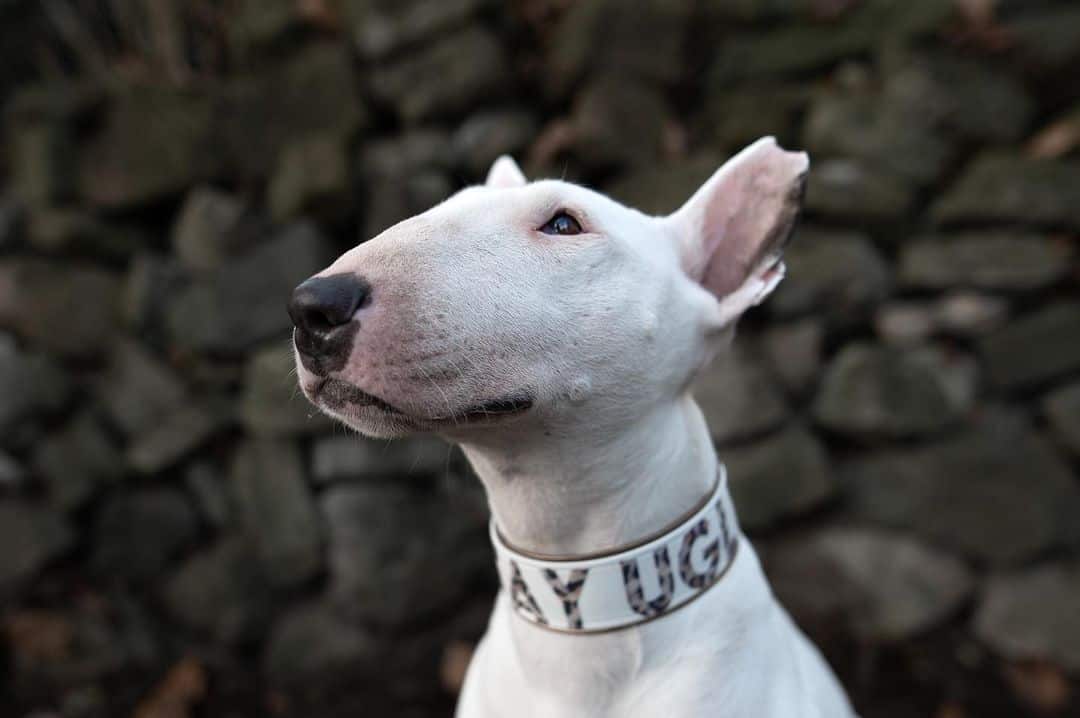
(180, 537)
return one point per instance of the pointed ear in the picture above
(732, 232)
(505, 173)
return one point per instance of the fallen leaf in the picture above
(38, 636)
(979, 25)
(1038, 684)
(978, 13)
(949, 709)
(455, 661)
(182, 688)
(319, 13)
(1057, 139)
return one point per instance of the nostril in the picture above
(317, 321)
(320, 304)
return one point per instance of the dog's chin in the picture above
(374, 417)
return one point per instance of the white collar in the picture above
(629, 585)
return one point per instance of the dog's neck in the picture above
(571, 490)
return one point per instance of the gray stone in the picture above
(444, 78)
(137, 390)
(484, 136)
(970, 98)
(34, 388)
(408, 152)
(312, 178)
(849, 189)
(383, 27)
(71, 231)
(658, 190)
(1034, 348)
(155, 142)
(738, 396)
(957, 371)
(206, 230)
(272, 403)
(43, 168)
(866, 129)
(395, 558)
(870, 391)
(178, 434)
(971, 314)
(885, 586)
(313, 643)
(12, 219)
(597, 37)
(351, 458)
(70, 309)
(221, 592)
(794, 351)
(997, 492)
(40, 536)
(77, 461)
(244, 303)
(1047, 39)
(136, 534)
(784, 475)
(1007, 188)
(276, 511)
(983, 261)
(617, 123)
(152, 282)
(905, 322)
(11, 473)
(736, 117)
(56, 100)
(803, 47)
(840, 272)
(785, 51)
(911, 322)
(1031, 615)
(765, 10)
(1062, 409)
(206, 483)
(260, 26)
(404, 176)
(314, 91)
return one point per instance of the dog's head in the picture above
(543, 305)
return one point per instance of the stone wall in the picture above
(180, 535)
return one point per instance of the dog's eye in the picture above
(561, 223)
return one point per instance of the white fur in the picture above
(605, 331)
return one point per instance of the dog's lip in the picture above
(338, 395)
(494, 409)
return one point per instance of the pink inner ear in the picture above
(745, 214)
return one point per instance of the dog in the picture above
(553, 334)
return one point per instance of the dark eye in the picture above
(561, 223)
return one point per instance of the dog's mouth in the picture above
(346, 399)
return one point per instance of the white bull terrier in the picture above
(553, 334)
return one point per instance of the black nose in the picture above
(322, 304)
